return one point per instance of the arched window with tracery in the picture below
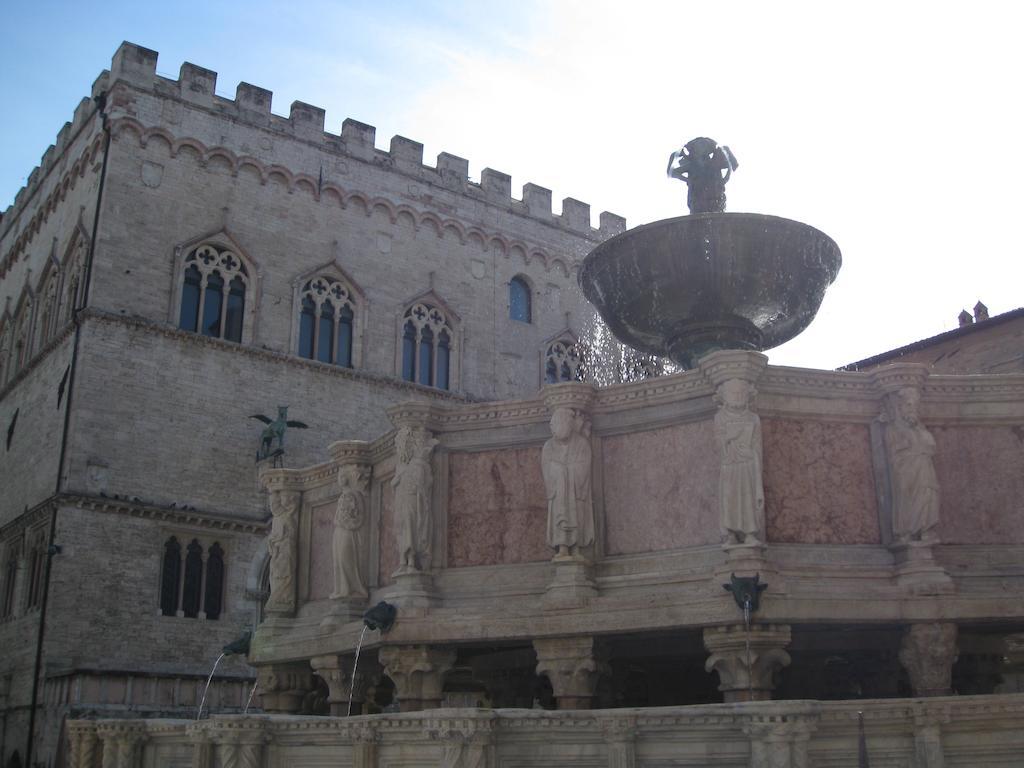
(213, 592)
(10, 578)
(36, 570)
(22, 349)
(327, 321)
(170, 577)
(73, 290)
(49, 317)
(214, 292)
(428, 346)
(563, 361)
(520, 300)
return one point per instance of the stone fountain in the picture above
(691, 285)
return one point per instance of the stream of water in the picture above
(202, 701)
(750, 672)
(355, 669)
(249, 700)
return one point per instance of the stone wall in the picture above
(959, 732)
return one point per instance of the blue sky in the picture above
(893, 127)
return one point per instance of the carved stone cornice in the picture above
(345, 452)
(571, 394)
(176, 515)
(719, 367)
(893, 378)
(413, 414)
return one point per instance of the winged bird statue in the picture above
(275, 430)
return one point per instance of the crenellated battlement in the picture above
(196, 85)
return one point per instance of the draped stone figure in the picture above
(915, 486)
(565, 460)
(281, 544)
(349, 521)
(740, 485)
(413, 483)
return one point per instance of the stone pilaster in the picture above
(418, 674)
(573, 666)
(281, 687)
(239, 741)
(928, 652)
(780, 742)
(469, 745)
(83, 745)
(746, 660)
(122, 744)
(620, 736)
(202, 745)
(364, 746)
(928, 751)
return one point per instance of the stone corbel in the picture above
(928, 652)
(573, 665)
(282, 687)
(746, 660)
(418, 674)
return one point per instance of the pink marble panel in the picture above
(819, 485)
(321, 555)
(497, 508)
(661, 489)
(388, 543)
(981, 483)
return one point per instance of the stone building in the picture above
(178, 263)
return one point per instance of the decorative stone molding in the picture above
(240, 740)
(620, 735)
(418, 674)
(892, 378)
(468, 743)
(577, 395)
(83, 744)
(185, 517)
(928, 751)
(282, 687)
(121, 743)
(780, 742)
(746, 660)
(573, 665)
(720, 367)
(928, 653)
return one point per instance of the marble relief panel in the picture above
(497, 508)
(321, 559)
(388, 542)
(818, 483)
(981, 482)
(661, 489)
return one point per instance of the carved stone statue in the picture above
(740, 486)
(915, 486)
(349, 520)
(705, 167)
(565, 460)
(281, 544)
(413, 482)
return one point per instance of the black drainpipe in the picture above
(52, 549)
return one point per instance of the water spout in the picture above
(209, 680)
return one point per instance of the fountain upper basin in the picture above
(687, 286)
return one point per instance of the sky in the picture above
(894, 127)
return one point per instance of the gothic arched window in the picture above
(22, 350)
(215, 288)
(190, 590)
(428, 340)
(10, 576)
(170, 577)
(49, 316)
(563, 361)
(520, 300)
(213, 594)
(74, 279)
(327, 321)
(36, 572)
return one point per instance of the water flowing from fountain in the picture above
(750, 672)
(202, 701)
(355, 669)
(249, 700)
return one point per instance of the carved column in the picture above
(567, 466)
(928, 652)
(908, 489)
(747, 661)
(573, 665)
(620, 736)
(928, 752)
(281, 687)
(414, 508)
(780, 742)
(418, 674)
(283, 542)
(350, 535)
(469, 746)
(734, 374)
(364, 746)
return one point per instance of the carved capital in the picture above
(719, 367)
(928, 652)
(573, 665)
(346, 452)
(892, 378)
(418, 673)
(281, 687)
(413, 415)
(747, 660)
